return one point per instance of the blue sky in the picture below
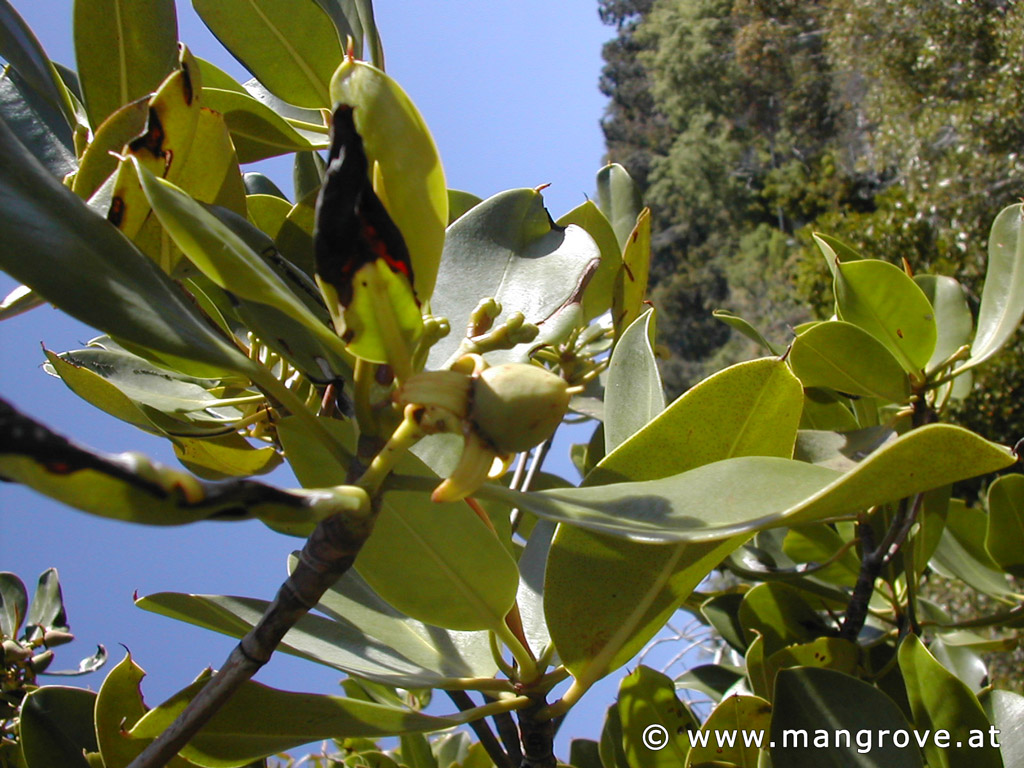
(509, 90)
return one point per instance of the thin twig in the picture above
(870, 567)
(483, 731)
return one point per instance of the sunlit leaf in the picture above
(780, 615)
(619, 199)
(638, 586)
(764, 492)
(77, 261)
(598, 296)
(651, 713)
(881, 299)
(256, 130)
(940, 701)
(364, 638)
(109, 140)
(741, 716)
(130, 487)
(507, 249)
(291, 48)
(119, 706)
(633, 394)
(123, 51)
(225, 258)
(1005, 709)
(13, 605)
(842, 357)
(1002, 298)
(631, 281)
(953, 323)
(465, 578)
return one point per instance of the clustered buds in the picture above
(500, 411)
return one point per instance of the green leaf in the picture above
(763, 491)
(737, 323)
(364, 636)
(124, 50)
(585, 753)
(818, 544)
(619, 199)
(824, 410)
(882, 300)
(824, 652)
(845, 358)
(459, 203)
(598, 297)
(633, 393)
(150, 397)
(80, 263)
(38, 123)
(259, 721)
(47, 608)
(507, 249)
(739, 716)
(651, 712)
(953, 322)
(56, 727)
(291, 48)
(225, 258)
(722, 613)
(119, 706)
(13, 605)
(465, 577)
(713, 680)
(815, 710)
(404, 164)
(835, 250)
(1005, 711)
(1004, 538)
(1002, 298)
(780, 615)
(256, 130)
(219, 458)
(638, 586)
(940, 701)
(108, 141)
(961, 551)
(610, 746)
(714, 419)
(630, 288)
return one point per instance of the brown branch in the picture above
(327, 555)
(538, 736)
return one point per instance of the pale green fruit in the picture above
(516, 406)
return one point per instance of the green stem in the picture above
(402, 440)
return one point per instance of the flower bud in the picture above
(55, 637)
(41, 661)
(15, 651)
(517, 405)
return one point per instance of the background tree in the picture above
(894, 126)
